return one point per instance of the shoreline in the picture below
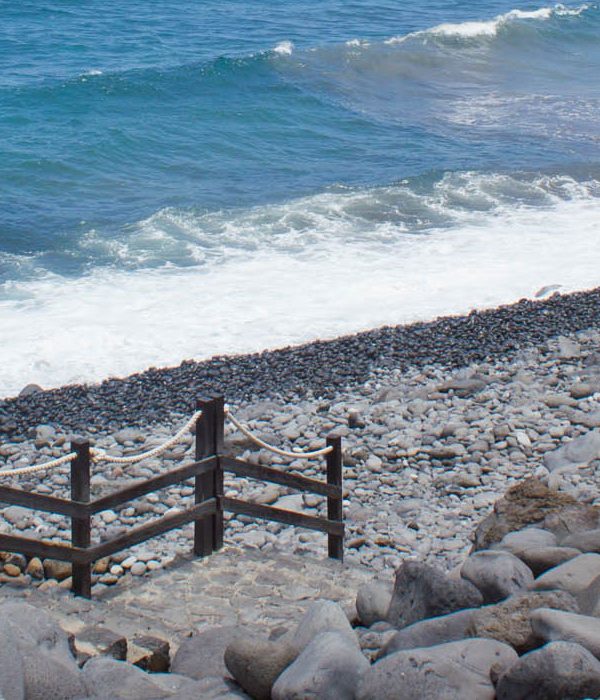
(427, 452)
(319, 368)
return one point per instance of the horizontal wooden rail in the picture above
(44, 550)
(39, 501)
(151, 529)
(275, 476)
(280, 515)
(206, 513)
(130, 493)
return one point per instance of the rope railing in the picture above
(39, 467)
(276, 450)
(99, 455)
(102, 456)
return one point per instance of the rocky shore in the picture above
(427, 449)
(320, 369)
(438, 421)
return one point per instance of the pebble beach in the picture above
(437, 419)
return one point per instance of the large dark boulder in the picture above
(496, 574)
(328, 668)
(430, 633)
(532, 503)
(456, 670)
(510, 621)
(557, 671)
(422, 591)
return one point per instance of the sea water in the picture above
(182, 179)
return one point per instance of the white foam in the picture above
(490, 28)
(56, 331)
(359, 43)
(284, 48)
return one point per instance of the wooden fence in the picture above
(207, 512)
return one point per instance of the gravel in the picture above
(437, 421)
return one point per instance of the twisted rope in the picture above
(39, 467)
(284, 453)
(102, 456)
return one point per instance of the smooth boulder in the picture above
(528, 538)
(256, 663)
(431, 632)
(372, 603)
(586, 541)
(104, 676)
(422, 591)
(49, 668)
(496, 574)
(321, 616)
(510, 621)
(573, 576)
(201, 655)
(545, 558)
(328, 668)
(456, 670)
(12, 677)
(558, 625)
(557, 671)
(577, 453)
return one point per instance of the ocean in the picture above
(185, 179)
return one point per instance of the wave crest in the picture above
(490, 28)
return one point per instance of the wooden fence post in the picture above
(219, 424)
(335, 543)
(80, 525)
(204, 530)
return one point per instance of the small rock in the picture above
(138, 569)
(589, 420)
(30, 389)
(60, 570)
(559, 400)
(12, 570)
(547, 289)
(568, 349)
(464, 387)
(101, 566)
(266, 496)
(582, 390)
(35, 569)
(100, 641)
(151, 654)
(16, 515)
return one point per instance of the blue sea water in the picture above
(179, 179)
